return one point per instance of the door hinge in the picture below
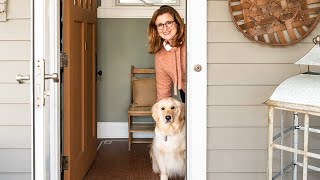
(64, 163)
(63, 60)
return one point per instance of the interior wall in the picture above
(122, 42)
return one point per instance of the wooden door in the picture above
(79, 91)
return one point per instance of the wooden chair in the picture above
(143, 96)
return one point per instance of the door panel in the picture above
(79, 29)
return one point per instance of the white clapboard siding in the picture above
(255, 176)
(237, 138)
(242, 74)
(251, 74)
(17, 9)
(237, 116)
(315, 68)
(237, 161)
(11, 68)
(11, 139)
(245, 161)
(15, 176)
(17, 29)
(219, 13)
(242, 53)
(227, 32)
(14, 93)
(239, 95)
(231, 176)
(15, 160)
(252, 138)
(15, 50)
(249, 116)
(15, 114)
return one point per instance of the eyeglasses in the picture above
(168, 24)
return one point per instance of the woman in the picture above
(166, 35)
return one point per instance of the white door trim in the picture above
(38, 42)
(197, 90)
(54, 63)
(46, 117)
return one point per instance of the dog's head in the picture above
(168, 111)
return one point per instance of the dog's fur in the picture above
(169, 143)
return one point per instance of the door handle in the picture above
(22, 79)
(53, 76)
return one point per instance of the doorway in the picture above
(122, 43)
(198, 171)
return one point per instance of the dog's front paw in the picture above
(163, 177)
(155, 168)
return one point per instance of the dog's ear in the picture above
(182, 111)
(154, 111)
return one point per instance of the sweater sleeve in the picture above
(164, 81)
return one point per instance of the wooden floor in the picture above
(115, 162)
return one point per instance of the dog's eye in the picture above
(172, 107)
(162, 108)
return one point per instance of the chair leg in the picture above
(129, 131)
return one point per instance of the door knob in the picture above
(99, 73)
(22, 79)
(53, 76)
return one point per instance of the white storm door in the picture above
(196, 89)
(45, 75)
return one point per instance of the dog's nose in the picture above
(168, 118)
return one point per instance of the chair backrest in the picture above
(143, 87)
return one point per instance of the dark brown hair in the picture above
(155, 41)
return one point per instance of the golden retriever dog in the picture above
(169, 143)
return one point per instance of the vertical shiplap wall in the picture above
(242, 75)
(15, 121)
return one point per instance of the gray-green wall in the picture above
(121, 43)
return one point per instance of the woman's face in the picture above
(166, 26)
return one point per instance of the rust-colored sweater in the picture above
(170, 70)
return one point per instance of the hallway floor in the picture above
(115, 162)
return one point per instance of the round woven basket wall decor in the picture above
(275, 22)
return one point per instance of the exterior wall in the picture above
(15, 121)
(242, 75)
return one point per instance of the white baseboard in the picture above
(117, 130)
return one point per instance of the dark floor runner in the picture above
(115, 162)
